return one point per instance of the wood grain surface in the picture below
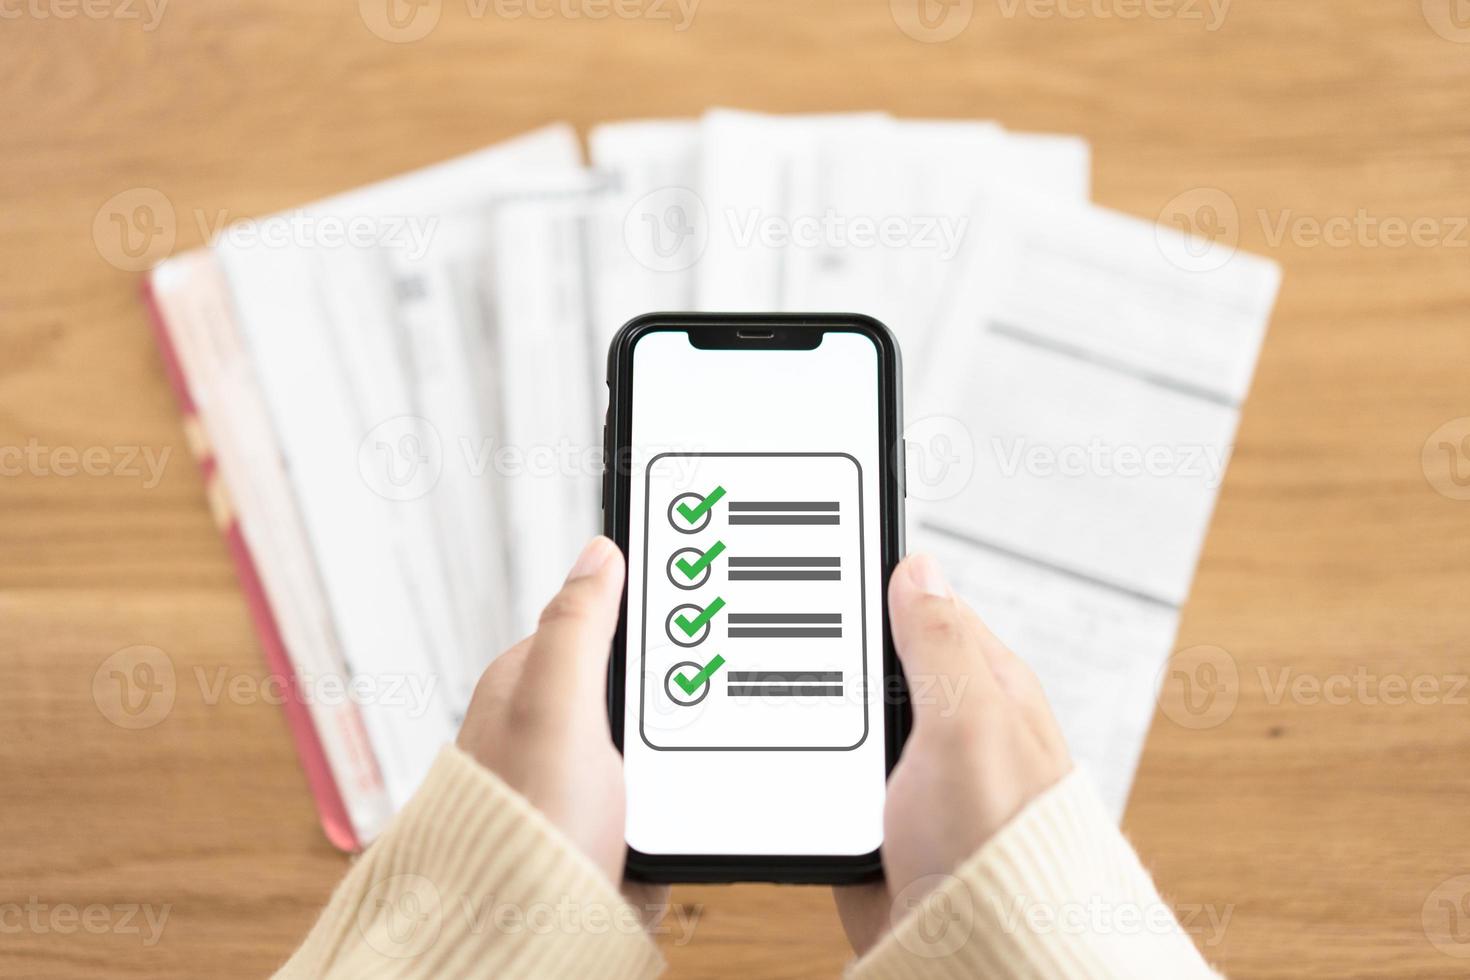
(1324, 831)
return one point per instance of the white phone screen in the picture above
(753, 700)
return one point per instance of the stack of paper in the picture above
(400, 391)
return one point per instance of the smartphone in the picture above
(754, 480)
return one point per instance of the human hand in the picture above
(970, 764)
(538, 718)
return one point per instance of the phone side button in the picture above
(606, 466)
(903, 467)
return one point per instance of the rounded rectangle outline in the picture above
(862, 612)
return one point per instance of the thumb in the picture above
(931, 631)
(566, 670)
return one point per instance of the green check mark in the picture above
(692, 626)
(692, 570)
(693, 514)
(701, 678)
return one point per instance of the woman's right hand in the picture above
(984, 744)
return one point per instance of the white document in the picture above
(551, 375)
(897, 210)
(1097, 651)
(759, 183)
(321, 323)
(462, 330)
(1052, 163)
(1096, 387)
(1101, 388)
(439, 309)
(327, 410)
(649, 228)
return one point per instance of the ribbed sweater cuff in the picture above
(470, 880)
(1058, 892)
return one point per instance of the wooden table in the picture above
(1320, 824)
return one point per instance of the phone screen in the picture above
(753, 698)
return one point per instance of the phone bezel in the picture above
(746, 331)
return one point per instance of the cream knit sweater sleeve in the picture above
(471, 881)
(1057, 893)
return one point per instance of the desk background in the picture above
(1321, 828)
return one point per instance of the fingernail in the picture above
(592, 558)
(928, 576)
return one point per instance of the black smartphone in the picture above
(755, 483)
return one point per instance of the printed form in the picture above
(1100, 385)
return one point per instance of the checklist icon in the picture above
(754, 614)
